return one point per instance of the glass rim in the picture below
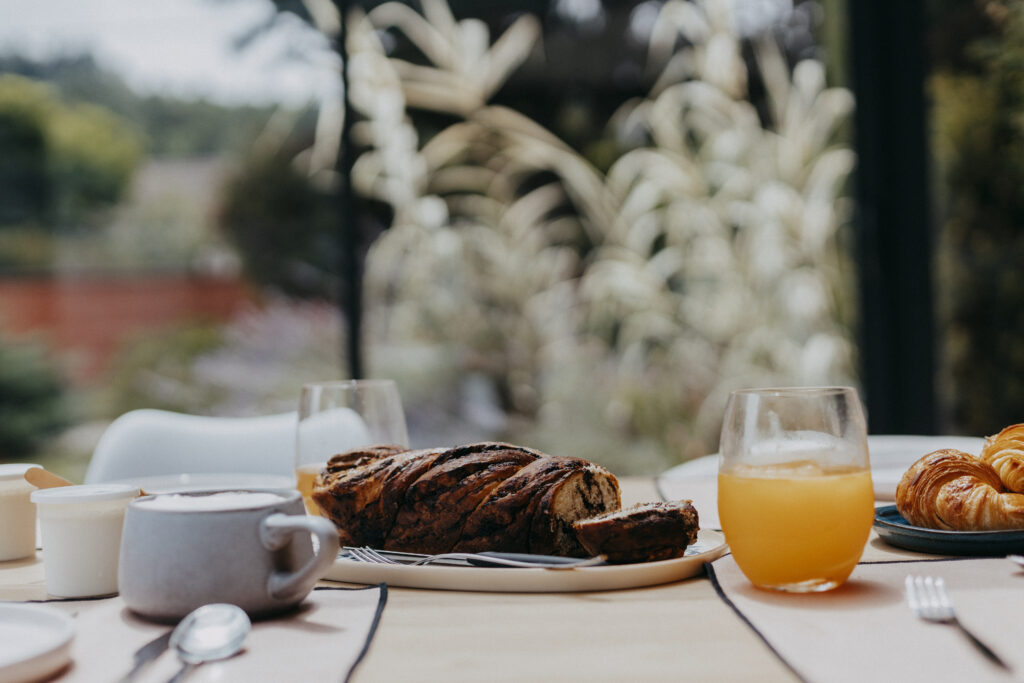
(348, 383)
(793, 391)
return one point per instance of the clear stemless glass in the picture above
(794, 485)
(337, 416)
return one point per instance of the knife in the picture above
(146, 654)
(480, 559)
(520, 557)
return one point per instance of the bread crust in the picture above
(1005, 453)
(487, 496)
(581, 493)
(435, 507)
(643, 533)
(505, 518)
(361, 494)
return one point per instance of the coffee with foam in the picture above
(224, 500)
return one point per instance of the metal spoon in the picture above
(210, 632)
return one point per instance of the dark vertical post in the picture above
(351, 262)
(894, 239)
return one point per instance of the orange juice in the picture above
(796, 526)
(304, 477)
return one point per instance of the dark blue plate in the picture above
(895, 530)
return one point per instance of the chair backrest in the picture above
(158, 442)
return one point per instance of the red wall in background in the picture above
(88, 317)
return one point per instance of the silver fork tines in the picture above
(370, 555)
(929, 600)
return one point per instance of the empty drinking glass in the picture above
(338, 416)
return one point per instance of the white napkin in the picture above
(864, 630)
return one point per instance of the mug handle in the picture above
(276, 532)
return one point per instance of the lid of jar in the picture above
(86, 493)
(15, 470)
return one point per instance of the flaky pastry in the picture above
(952, 490)
(1005, 453)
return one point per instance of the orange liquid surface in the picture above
(795, 524)
(304, 477)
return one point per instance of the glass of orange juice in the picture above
(794, 485)
(338, 416)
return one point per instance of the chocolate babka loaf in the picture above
(485, 496)
(643, 533)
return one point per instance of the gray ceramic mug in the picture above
(250, 548)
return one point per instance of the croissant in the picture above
(952, 490)
(1005, 453)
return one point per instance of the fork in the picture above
(928, 598)
(370, 555)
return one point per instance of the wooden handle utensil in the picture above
(42, 479)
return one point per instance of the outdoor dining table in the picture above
(707, 628)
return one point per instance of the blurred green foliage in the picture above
(151, 370)
(60, 161)
(255, 364)
(979, 147)
(172, 127)
(32, 405)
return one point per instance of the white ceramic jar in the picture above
(81, 529)
(17, 513)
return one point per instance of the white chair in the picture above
(146, 443)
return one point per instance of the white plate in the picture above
(177, 483)
(710, 545)
(892, 455)
(35, 642)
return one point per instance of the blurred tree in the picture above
(979, 148)
(283, 224)
(31, 399)
(24, 178)
(61, 161)
(173, 127)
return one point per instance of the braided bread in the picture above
(643, 533)
(485, 496)
(1005, 453)
(952, 490)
